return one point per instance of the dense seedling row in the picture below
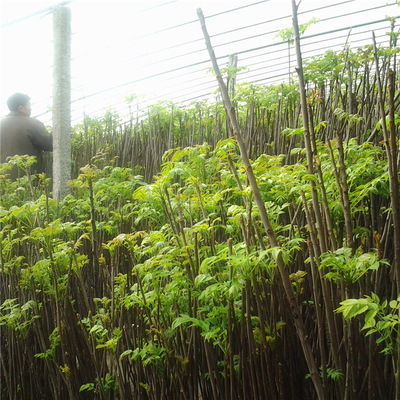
(154, 278)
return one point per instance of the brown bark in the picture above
(392, 150)
(283, 270)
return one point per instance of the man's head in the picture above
(19, 102)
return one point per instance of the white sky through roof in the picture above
(156, 50)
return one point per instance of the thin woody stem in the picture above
(283, 270)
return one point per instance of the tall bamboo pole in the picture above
(283, 270)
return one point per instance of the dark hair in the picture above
(16, 100)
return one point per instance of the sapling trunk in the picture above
(262, 322)
(250, 340)
(395, 196)
(326, 292)
(93, 239)
(191, 270)
(345, 193)
(168, 214)
(322, 189)
(81, 282)
(242, 350)
(215, 391)
(335, 171)
(244, 233)
(283, 270)
(247, 202)
(391, 148)
(230, 350)
(320, 322)
(307, 136)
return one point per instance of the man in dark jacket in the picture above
(22, 135)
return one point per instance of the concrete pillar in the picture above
(61, 101)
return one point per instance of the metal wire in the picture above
(187, 69)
